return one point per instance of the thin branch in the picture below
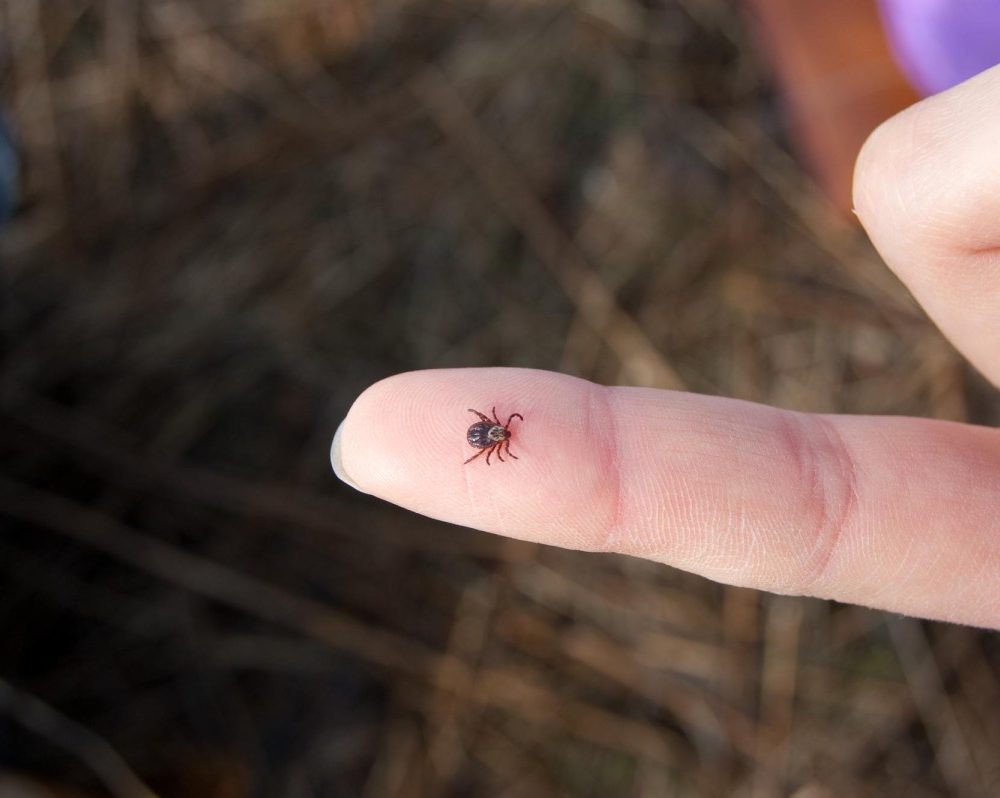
(90, 748)
(214, 581)
(644, 363)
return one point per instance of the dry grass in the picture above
(238, 215)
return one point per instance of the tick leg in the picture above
(513, 416)
(474, 457)
(497, 420)
(509, 453)
(489, 452)
(481, 416)
(499, 452)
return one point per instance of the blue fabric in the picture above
(8, 172)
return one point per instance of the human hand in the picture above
(897, 513)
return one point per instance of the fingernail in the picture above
(337, 462)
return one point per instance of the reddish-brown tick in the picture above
(490, 435)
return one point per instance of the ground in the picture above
(237, 217)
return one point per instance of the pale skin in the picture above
(896, 513)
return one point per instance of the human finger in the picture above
(927, 189)
(897, 513)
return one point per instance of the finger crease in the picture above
(830, 484)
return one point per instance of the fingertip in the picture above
(405, 441)
(924, 175)
(882, 171)
(355, 448)
(337, 459)
(864, 178)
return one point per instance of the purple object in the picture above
(940, 43)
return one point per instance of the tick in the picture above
(489, 435)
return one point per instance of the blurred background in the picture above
(234, 216)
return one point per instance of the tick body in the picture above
(489, 436)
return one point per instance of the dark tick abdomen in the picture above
(479, 435)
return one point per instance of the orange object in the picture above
(839, 79)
